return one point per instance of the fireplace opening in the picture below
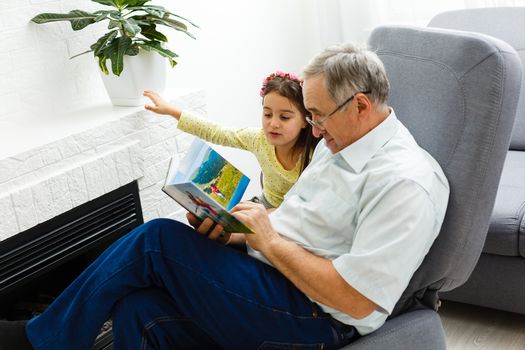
(37, 264)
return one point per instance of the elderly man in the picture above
(326, 266)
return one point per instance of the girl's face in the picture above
(282, 122)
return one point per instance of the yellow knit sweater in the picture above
(276, 180)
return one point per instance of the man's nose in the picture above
(317, 132)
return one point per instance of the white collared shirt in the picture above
(374, 209)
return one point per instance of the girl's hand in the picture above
(208, 228)
(255, 216)
(161, 106)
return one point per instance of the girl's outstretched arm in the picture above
(161, 106)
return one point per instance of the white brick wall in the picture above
(49, 180)
(37, 75)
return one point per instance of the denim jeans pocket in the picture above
(271, 345)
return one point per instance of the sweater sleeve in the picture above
(243, 138)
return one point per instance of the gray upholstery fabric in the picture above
(506, 235)
(506, 23)
(416, 330)
(497, 279)
(457, 93)
(496, 282)
(459, 101)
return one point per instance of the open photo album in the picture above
(207, 185)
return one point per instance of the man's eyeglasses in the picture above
(319, 124)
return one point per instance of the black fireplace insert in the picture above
(37, 264)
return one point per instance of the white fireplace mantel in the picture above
(65, 161)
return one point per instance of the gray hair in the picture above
(347, 70)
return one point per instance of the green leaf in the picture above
(183, 18)
(115, 15)
(114, 24)
(79, 19)
(133, 50)
(151, 33)
(140, 21)
(131, 3)
(177, 25)
(115, 51)
(130, 26)
(106, 14)
(80, 54)
(106, 2)
(102, 42)
(110, 12)
(156, 46)
(101, 16)
(102, 64)
(110, 49)
(156, 11)
(125, 3)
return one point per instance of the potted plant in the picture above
(132, 31)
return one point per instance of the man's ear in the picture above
(364, 105)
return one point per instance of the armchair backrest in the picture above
(457, 92)
(505, 23)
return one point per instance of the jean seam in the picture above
(46, 340)
(153, 323)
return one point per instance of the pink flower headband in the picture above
(280, 74)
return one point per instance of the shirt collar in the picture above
(360, 152)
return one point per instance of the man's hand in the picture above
(208, 228)
(255, 216)
(314, 275)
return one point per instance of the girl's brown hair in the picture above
(287, 85)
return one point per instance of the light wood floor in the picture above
(470, 327)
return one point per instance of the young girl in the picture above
(284, 145)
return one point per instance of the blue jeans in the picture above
(167, 287)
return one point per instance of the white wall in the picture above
(239, 43)
(354, 20)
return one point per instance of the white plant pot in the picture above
(146, 71)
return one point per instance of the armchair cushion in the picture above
(505, 23)
(506, 235)
(421, 329)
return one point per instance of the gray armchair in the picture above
(497, 281)
(457, 92)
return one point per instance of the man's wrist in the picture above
(272, 245)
